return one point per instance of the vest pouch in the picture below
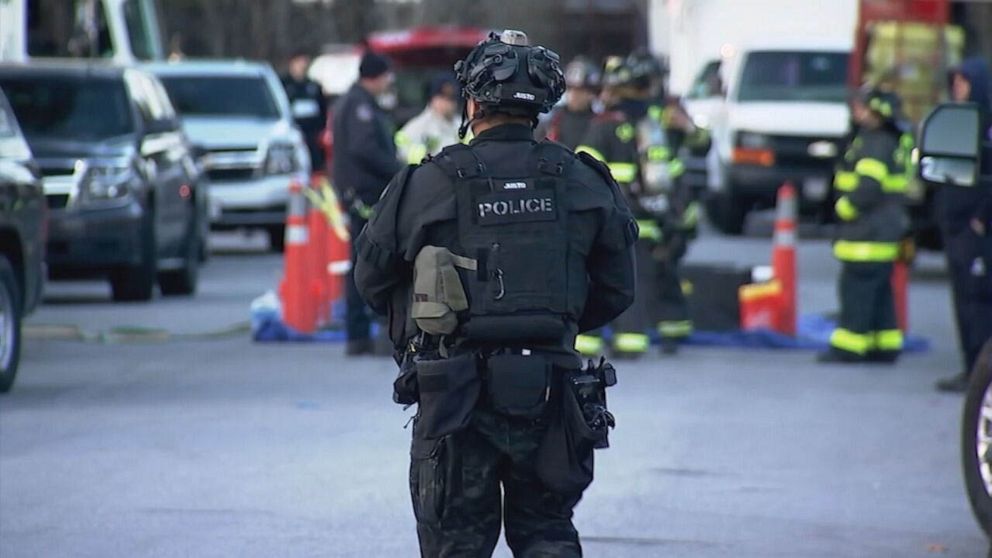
(438, 293)
(518, 384)
(449, 389)
(534, 329)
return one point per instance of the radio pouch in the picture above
(438, 293)
(449, 389)
(518, 384)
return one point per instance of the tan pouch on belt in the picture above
(438, 293)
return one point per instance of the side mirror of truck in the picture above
(950, 145)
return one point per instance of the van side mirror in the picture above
(950, 145)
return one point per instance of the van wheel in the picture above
(277, 238)
(727, 212)
(976, 439)
(137, 283)
(183, 281)
(10, 325)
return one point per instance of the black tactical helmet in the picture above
(581, 73)
(505, 74)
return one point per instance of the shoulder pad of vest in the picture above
(598, 166)
(459, 161)
(552, 157)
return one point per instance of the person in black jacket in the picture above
(965, 218)
(309, 106)
(488, 259)
(364, 161)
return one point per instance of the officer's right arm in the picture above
(610, 266)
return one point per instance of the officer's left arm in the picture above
(379, 262)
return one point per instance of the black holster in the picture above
(518, 384)
(579, 423)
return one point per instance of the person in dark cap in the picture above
(364, 162)
(435, 127)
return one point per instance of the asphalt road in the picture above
(192, 446)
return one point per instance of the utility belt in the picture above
(522, 385)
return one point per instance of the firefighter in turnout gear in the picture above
(435, 127)
(488, 260)
(568, 124)
(871, 184)
(630, 138)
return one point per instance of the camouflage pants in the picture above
(456, 485)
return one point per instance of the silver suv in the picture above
(237, 116)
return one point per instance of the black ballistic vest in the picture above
(516, 228)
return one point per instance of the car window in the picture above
(221, 96)
(68, 107)
(794, 76)
(708, 83)
(12, 145)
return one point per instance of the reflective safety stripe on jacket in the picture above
(631, 342)
(649, 229)
(679, 328)
(589, 345)
(624, 173)
(866, 251)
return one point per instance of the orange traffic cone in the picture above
(338, 251)
(317, 255)
(784, 256)
(298, 310)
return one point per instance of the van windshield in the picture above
(221, 96)
(794, 77)
(69, 108)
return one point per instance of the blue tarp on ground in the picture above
(813, 333)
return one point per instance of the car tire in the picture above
(10, 325)
(137, 283)
(277, 238)
(183, 281)
(727, 212)
(978, 396)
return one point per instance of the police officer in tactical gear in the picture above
(567, 124)
(871, 184)
(633, 142)
(364, 161)
(965, 217)
(488, 259)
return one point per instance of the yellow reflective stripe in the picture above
(648, 229)
(845, 209)
(889, 340)
(401, 139)
(659, 153)
(596, 154)
(895, 184)
(631, 342)
(625, 132)
(415, 153)
(655, 112)
(846, 181)
(589, 345)
(686, 287)
(854, 251)
(872, 168)
(624, 173)
(681, 328)
(847, 340)
(690, 218)
(676, 168)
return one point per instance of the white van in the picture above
(785, 118)
(125, 31)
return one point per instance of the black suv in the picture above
(22, 241)
(123, 189)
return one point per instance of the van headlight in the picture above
(281, 159)
(107, 180)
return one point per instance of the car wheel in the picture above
(10, 325)
(727, 212)
(277, 238)
(137, 283)
(183, 281)
(976, 439)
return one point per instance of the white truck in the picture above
(769, 80)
